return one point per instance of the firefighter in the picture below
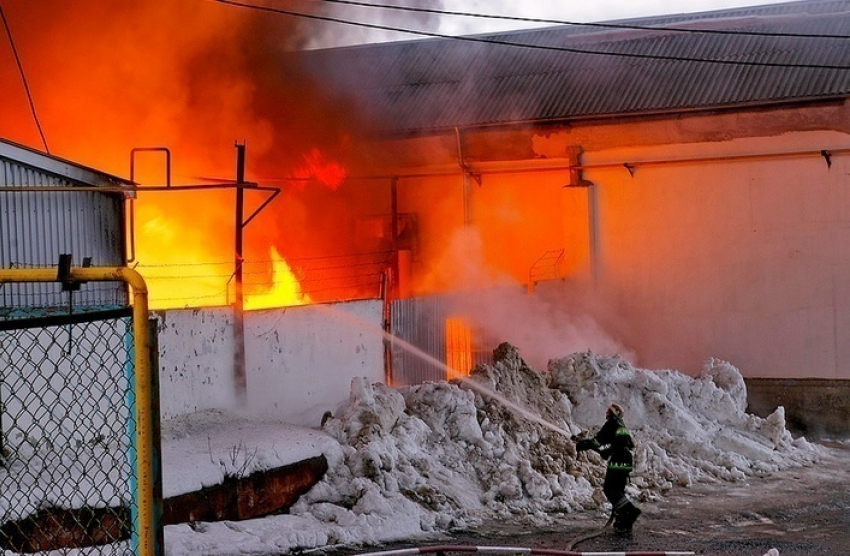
(614, 443)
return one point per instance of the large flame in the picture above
(196, 76)
(185, 256)
(285, 290)
(185, 243)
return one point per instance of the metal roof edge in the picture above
(637, 115)
(56, 165)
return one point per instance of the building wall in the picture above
(196, 355)
(299, 360)
(816, 408)
(744, 259)
(36, 227)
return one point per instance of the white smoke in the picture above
(557, 318)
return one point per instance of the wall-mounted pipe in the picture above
(562, 164)
(632, 165)
(467, 218)
(133, 189)
(523, 166)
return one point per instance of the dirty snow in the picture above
(414, 462)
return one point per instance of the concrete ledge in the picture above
(259, 494)
(55, 528)
(814, 407)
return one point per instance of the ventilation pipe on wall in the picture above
(577, 180)
(467, 175)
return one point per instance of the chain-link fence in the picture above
(69, 434)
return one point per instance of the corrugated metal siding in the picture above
(437, 84)
(35, 228)
(421, 322)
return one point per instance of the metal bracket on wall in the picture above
(576, 169)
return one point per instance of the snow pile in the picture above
(456, 452)
(414, 462)
(687, 429)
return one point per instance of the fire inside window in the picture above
(459, 355)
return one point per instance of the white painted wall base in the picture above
(299, 361)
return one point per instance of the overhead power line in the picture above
(501, 42)
(598, 25)
(24, 79)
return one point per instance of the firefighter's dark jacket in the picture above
(614, 443)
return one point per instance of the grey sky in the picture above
(576, 10)
(562, 10)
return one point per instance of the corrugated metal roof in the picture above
(51, 165)
(429, 85)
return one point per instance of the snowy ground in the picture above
(416, 462)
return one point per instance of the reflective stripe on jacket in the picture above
(614, 443)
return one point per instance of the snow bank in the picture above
(457, 453)
(414, 462)
(687, 429)
(202, 449)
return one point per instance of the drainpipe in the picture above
(577, 180)
(392, 283)
(395, 285)
(593, 235)
(467, 175)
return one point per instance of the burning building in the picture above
(677, 181)
(667, 188)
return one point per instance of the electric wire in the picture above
(24, 79)
(501, 42)
(584, 24)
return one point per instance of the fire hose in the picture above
(592, 535)
(509, 550)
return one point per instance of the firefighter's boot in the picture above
(625, 515)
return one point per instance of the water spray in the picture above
(472, 384)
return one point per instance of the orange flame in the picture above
(285, 290)
(458, 348)
(317, 167)
(180, 264)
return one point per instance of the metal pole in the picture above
(394, 235)
(158, 548)
(239, 301)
